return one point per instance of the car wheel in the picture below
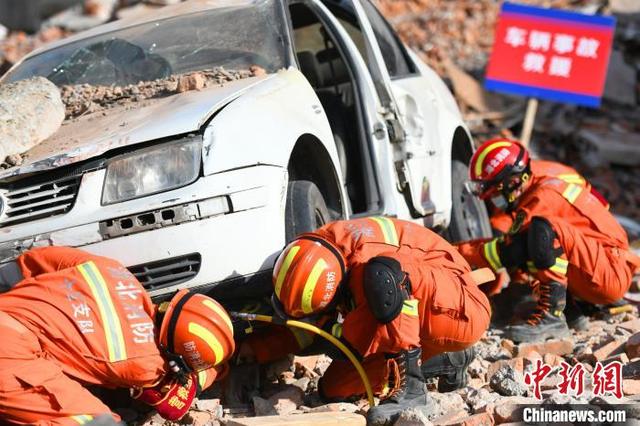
(469, 217)
(306, 209)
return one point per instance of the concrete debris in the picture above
(621, 81)
(84, 98)
(30, 111)
(84, 16)
(412, 417)
(282, 403)
(508, 381)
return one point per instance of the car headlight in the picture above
(152, 170)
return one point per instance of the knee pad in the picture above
(385, 288)
(540, 238)
(514, 253)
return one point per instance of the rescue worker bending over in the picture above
(404, 294)
(70, 319)
(562, 234)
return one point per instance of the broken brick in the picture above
(556, 347)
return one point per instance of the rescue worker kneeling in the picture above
(403, 294)
(562, 234)
(69, 318)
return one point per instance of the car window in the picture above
(394, 54)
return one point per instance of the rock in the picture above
(631, 387)
(30, 111)
(621, 80)
(632, 347)
(190, 82)
(556, 347)
(508, 345)
(335, 406)
(624, 6)
(479, 399)
(257, 71)
(282, 403)
(210, 405)
(553, 360)
(323, 362)
(508, 382)
(632, 325)
(516, 363)
(482, 419)
(412, 417)
(450, 418)
(508, 410)
(446, 403)
(13, 160)
(302, 383)
(199, 418)
(607, 350)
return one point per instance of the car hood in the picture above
(96, 133)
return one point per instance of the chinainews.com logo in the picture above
(605, 379)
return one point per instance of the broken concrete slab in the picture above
(30, 111)
(316, 419)
(615, 147)
(620, 86)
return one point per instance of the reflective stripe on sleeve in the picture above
(336, 330)
(490, 250)
(108, 314)
(571, 178)
(560, 266)
(82, 418)
(388, 230)
(410, 307)
(572, 192)
(310, 285)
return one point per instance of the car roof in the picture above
(183, 8)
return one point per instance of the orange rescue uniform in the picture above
(596, 264)
(446, 312)
(75, 319)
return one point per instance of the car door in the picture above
(413, 141)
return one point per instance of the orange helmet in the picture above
(499, 166)
(196, 329)
(306, 275)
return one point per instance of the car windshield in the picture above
(233, 37)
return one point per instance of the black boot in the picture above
(450, 368)
(576, 319)
(547, 321)
(411, 392)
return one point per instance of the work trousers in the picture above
(33, 389)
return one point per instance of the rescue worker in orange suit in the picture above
(70, 319)
(403, 294)
(561, 233)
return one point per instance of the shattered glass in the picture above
(235, 37)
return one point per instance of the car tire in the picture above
(469, 217)
(305, 210)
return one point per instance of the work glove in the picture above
(170, 397)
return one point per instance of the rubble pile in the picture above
(495, 393)
(455, 38)
(85, 98)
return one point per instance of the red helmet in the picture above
(196, 329)
(499, 165)
(306, 276)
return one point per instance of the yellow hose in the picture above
(320, 332)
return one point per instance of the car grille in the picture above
(26, 203)
(168, 272)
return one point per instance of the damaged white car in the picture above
(306, 111)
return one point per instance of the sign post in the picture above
(550, 54)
